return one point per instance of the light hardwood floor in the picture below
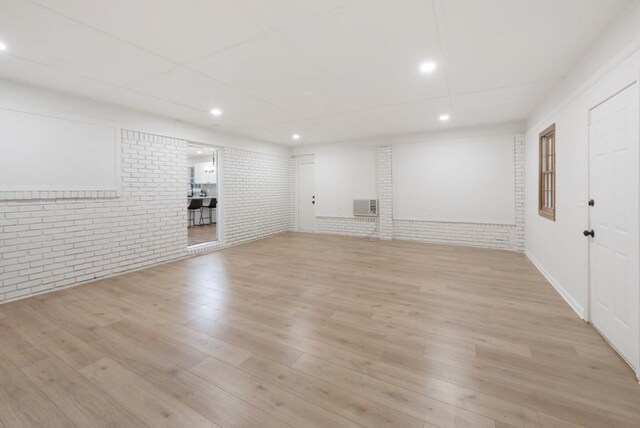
(313, 331)
(201, 234)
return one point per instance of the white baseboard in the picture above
(578, 309)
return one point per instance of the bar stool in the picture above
(213, 203)
(194, 205)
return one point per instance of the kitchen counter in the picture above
(204, 213)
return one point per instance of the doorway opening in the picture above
(202, 194)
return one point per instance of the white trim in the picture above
(587, 313)
(219, 241)
(578, 309)
(206, 247)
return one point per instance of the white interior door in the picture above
(306, 197)
(614, 218)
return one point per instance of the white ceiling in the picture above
(328, 70)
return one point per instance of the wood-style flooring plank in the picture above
(315, 331)
(153, 406)
(22, 404)
(72, 393)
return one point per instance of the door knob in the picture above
(590, 233)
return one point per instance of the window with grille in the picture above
(547, 174)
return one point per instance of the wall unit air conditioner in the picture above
(365, 207)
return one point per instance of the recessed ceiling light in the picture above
(428, 67)
(199, 152)
(296, 136)
(444, 117)
(216, 112)
(3, 47)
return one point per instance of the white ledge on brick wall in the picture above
(207, 247)
(30, 195)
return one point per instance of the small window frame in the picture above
(547, 171)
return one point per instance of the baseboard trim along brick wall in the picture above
(499, 236)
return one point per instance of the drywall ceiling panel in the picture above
(498, 43)
(188, 88)
(500, 105)
(278, 14)
(178, 30)
(376, 47)
(43, 37)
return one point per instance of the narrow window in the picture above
(547, 174)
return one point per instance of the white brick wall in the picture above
(50, 240)
(59, 240)
(385, 192)
(349, 226)
(519, 151)
(256, 195)
(293, 209)
(507, 237)
(471, 234)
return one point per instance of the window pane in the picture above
(546, 174)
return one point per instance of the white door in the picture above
(306, 197)
(614, 218)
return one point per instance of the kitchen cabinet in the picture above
(204, 173)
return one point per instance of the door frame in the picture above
(220, 203)
(299, 160)
(587, 311)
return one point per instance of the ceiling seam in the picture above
(438, 15)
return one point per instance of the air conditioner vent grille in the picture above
(365, 207)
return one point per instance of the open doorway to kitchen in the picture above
(202, 194)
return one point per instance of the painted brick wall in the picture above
(348, 226)
(385, 192)
(507, 237)
(293, 209)
(520, 149)
(471, 234)
(256, 195)
(56, 240)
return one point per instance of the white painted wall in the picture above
(35, 100)
(53, 239)
(50, 153)
(436, 180)
(469, 181)
(341, 177)
(558, 248)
